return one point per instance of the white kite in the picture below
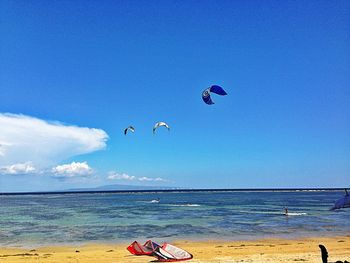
(159, 124)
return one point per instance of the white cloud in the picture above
(71, 170)
(149, 179)
(27, 139)
(2, 148)
(18, 168)
(124, 176)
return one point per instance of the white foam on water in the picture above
(296, 214)
(272, 213)
(193, 205)
(149, 202)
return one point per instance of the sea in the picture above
(121, 217)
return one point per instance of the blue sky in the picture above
(109, 64)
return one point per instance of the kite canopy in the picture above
(343, 202)
(215, 89)
(171, 253)
(160, 124)
(164, 253)
(130, 128)
(146, 249)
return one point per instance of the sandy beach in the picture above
(266, 250)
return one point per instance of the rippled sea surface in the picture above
(125, 217)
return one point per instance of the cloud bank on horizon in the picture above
(30, 145)
(125, 177)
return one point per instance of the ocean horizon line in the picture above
(174, 190)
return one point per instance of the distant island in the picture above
(122, 187)
(116, 188)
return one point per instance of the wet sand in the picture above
(266, 250)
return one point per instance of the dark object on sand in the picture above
(324, 255)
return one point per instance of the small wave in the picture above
(261, 212)
(149, 201)
(296, 214)
(272, 213)
(193, 205)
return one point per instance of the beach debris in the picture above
(20, 255)
(215, 89)
(324, 255)
(129, 128)
(163, 253)
(343, 202)
(160, 124)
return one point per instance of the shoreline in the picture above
(223, 251)
(192, 239)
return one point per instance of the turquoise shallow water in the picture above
(27, 220)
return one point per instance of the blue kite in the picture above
(343, 202)
(215, 89)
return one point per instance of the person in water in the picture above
(286, 211)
